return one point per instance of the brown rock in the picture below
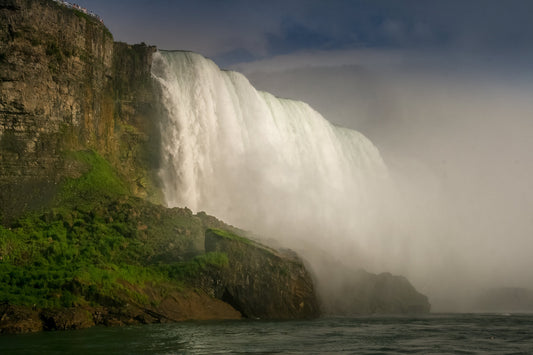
(260, 282)
(19, 319)
(67, 318)
(197, 305)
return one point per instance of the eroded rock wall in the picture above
(65, 85)
(260, 282)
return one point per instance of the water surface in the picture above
(432, 334)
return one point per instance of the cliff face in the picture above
(136, 110)
(260, 282)
(65, 85)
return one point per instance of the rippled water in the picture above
(432, 334)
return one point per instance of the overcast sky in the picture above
(244, 30)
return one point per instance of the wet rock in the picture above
(260, 282)
(67, 319)
(18, 319)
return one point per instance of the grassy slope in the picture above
(95, 235)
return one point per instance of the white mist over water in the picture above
(457, 138)
(272, 166)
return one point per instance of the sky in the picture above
(247, 30)
(442, 88)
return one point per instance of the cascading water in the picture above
(273, 166)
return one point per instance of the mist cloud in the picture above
(457, 139)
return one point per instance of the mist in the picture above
(456, 135)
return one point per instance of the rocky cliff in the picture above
(65, 85)
(256, 274)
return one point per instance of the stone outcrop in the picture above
(162, 306)
(257, 282)
(260, 282)
(19, 319)
(361, 293)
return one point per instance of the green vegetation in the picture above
(108, 33)
(81, 14)
(100, 180)
(66, 258)
(228, 235)
(97, 244)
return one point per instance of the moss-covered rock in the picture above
(259, 281)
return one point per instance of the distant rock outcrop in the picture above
(349, 292)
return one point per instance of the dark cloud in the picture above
(295, 36)
(263, 29)
(238, 55)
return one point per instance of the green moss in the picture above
(190, 270)
(228, 235)
(99, 243)
(108, 33)
(100, 179)
(71, 256)
(81, 14)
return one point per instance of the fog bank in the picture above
(456, 134)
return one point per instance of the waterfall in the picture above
(270, 165)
